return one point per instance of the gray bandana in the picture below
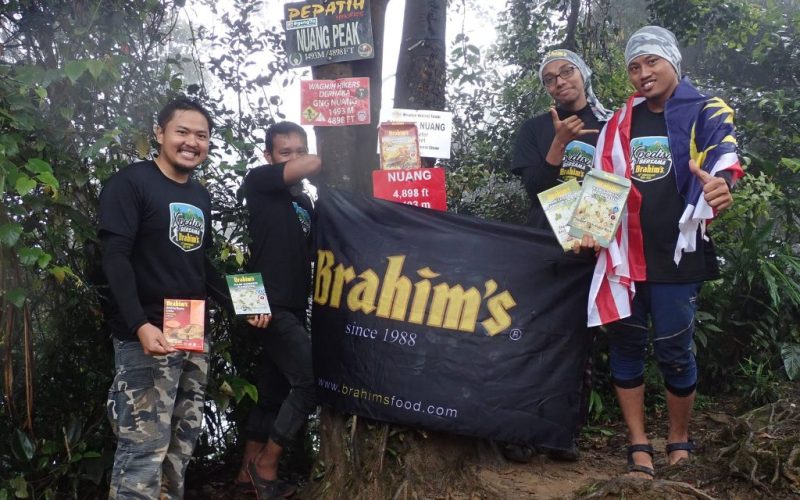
(599, 111)
(657, 41)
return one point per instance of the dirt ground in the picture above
(749, 456)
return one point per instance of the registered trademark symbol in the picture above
(515, 334)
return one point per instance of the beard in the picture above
(184, 169)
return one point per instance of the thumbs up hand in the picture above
(715, 189)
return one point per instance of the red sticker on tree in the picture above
(335, 103)
(420, 187)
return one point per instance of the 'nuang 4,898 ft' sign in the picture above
(327, 32)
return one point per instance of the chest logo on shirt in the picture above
(304, 217)
(186, 226)
(651, 159)
(578, 158)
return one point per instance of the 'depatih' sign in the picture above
(328, 32)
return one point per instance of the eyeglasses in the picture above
(566, 72)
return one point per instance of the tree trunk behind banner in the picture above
(421, 64)
(360, 458)
(350, 153)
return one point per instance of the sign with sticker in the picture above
(327, 32)
(335, 103)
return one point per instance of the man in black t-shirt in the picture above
(555, 147)
(559, 145)
(679, 149)
(155, 227)
(280, 229)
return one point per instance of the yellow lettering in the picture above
(322, 283)
(450, 307)
(341, 276)
(422, 291)
(362, 296)
(395, 291)
(498, 307)
(293, 13)
(454, 308)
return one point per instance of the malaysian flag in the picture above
(699, 128)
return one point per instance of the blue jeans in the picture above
(286, 392)
(155, 405)
(671, 308)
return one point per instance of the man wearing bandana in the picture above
(551, 148)
(678, 147)
(558, 145)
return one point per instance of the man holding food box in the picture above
(280, 228)
(154, 228)
(557, 148)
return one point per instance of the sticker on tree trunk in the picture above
(335, 103)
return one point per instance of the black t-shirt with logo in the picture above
(653, 174)
(168, 225)
(534, 141)
(280, 229)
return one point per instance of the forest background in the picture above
(81, 80)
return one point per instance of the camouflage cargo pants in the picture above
(155, 406)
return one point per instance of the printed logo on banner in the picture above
(186, 226)
(420, 317)
(441, 305)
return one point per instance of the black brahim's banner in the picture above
(448, 322)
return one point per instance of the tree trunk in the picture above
(350, 153)
(421, 64)
(360, 458)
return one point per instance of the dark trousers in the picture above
(285, 379)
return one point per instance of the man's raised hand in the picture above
(569, 128)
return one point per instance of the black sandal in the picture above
(685, 446)
(633, 466)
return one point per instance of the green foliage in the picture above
(750, 54)
(757, 382)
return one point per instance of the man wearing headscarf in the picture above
(551, 148)
(558, 145)
(678, 147)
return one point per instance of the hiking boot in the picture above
(269, 490)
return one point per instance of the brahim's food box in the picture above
(600, 205)
(248, 293)
(399, 146)
(558, 203)
(184, 323)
